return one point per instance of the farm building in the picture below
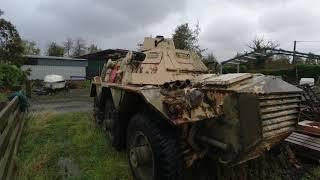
(69, 68)
(96, 60)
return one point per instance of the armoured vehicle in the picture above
(167, 110)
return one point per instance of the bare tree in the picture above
(55, 49)
(260, 44)
(93, 48)
(68, 45)
(1, 12)
(79, 47)
(30, 47)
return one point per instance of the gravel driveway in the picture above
(76, 100)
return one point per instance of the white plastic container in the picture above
(309, 81)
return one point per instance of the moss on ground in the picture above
(49, 138)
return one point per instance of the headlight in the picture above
(195, 97)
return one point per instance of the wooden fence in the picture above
(11, 125)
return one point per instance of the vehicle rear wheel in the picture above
(97, 113)
(152, 150)
(109, 118)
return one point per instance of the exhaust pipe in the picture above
(167, 86)
(213, 143)
(177, 85)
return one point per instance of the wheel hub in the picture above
(133, 158)
(140, 155)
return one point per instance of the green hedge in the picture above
(303, 70)
(233, 69)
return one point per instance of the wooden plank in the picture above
(4, 113)
(5, 136)
(305, 141)
(309, 141)
(5, 161)
(306, 137)
(314, 144)
(12, 167)
(302, 144)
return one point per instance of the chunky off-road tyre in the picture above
(97, 112)
(111, 123)
(153, 151)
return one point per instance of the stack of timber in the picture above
(306, 139)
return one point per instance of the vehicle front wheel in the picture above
(109, 118)
(111, 124)
(153, 150)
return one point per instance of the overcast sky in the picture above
(226, 25)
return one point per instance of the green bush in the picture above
(302, 70)
(308, 71)
(233, 69)
(86, 84)
(11, 76)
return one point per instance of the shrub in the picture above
(11, 76)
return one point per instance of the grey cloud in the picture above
(109, 18)
(227, 25)
(103, 22)
(228, 34)
(242, 20)
(293, 21)
(261, 4)
(286, 18)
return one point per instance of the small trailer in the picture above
(54, 82)
(51, 84)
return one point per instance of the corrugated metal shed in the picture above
(96, 60)
(40, 71)
(43, 65)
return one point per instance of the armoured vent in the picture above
(279, 114)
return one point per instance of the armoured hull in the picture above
(166, 110)
(248, 113)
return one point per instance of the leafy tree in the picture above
(187, 39)
(1, 12)
(211, 62)
(11, 48)
(55, 50)
(79, 47)
(68, 45)
(93, 48)
(30, 48)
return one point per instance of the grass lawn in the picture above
(68, 146)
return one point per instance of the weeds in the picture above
(49, 139)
